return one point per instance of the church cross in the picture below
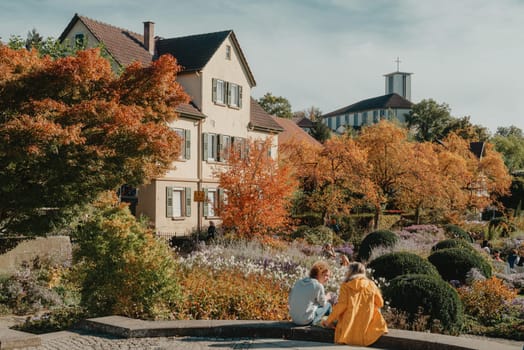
(398, 63)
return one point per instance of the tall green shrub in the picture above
(376, 239)
(454, 231)
(391, 265)
(122, 269)
(452, 243)
(455, 263)
(429, 295)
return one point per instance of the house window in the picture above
(234, 95)
(375, 117)
(365, 118)
(178, 202)
(240, 146)
(219, 91)
(185, 143)
(346, 119)
(355, 119)
(79, 39)
(211, 202)
(210, 147)
(214, 199)
(228, 52)
(337, 122)
(224, 145)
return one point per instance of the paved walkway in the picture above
(115, 332)
(73, 341)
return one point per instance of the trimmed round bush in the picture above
(452, 243)
(455, 231)
(429, 295)
(455, 263)
(376, 239)
(392, 265)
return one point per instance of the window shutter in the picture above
(243, 149)
(213, 147)
(188, 201)
(227, 94)
(239, 96)
(220, 149)
(220, 198)
(187, 154)
(205, 146)
(206, 204)
(169, 202)
(214, 91)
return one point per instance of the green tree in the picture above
(320, 131)
(71, 129)
(49, 47)
(34, 39)
(312, 113)
(510, 142)
(467, 130)
(276, 105)
(428, 120)
(121, 268)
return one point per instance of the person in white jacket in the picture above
(308, 302)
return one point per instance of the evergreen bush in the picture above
(452, 243)
(318, 235)
(121, 267)
(428, 295)
(376, 239)
(454, 231)
(392, 265)
(455, 263)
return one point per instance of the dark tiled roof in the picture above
(123, 45)
(293, 132)
(261, 120)
(381, 102)
(190, 110)
(193, 52)
(477, 148)
(304, 122)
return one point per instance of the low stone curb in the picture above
(396, 339)
(11, 339)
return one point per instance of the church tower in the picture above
(399, 82)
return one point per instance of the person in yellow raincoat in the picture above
(356, 316)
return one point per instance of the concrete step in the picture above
(11, 339)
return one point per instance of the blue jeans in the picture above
(320, 312)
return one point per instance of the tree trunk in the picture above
(376, 218)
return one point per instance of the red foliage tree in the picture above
(70, 128)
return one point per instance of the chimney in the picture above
(149, 36)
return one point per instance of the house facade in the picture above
(221, 115)
(394, 105)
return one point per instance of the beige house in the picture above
(221, 114)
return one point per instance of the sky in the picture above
(329, 54)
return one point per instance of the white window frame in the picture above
(178, 202)
(211, 153)
(234, 95)
(228, 52)
(185, 140)
(212, 200)
(224, 146)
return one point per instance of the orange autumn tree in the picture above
(258, 191)
(422, 185)
(486, 177)
(70, 129)
(389, 154)
(342, 178)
